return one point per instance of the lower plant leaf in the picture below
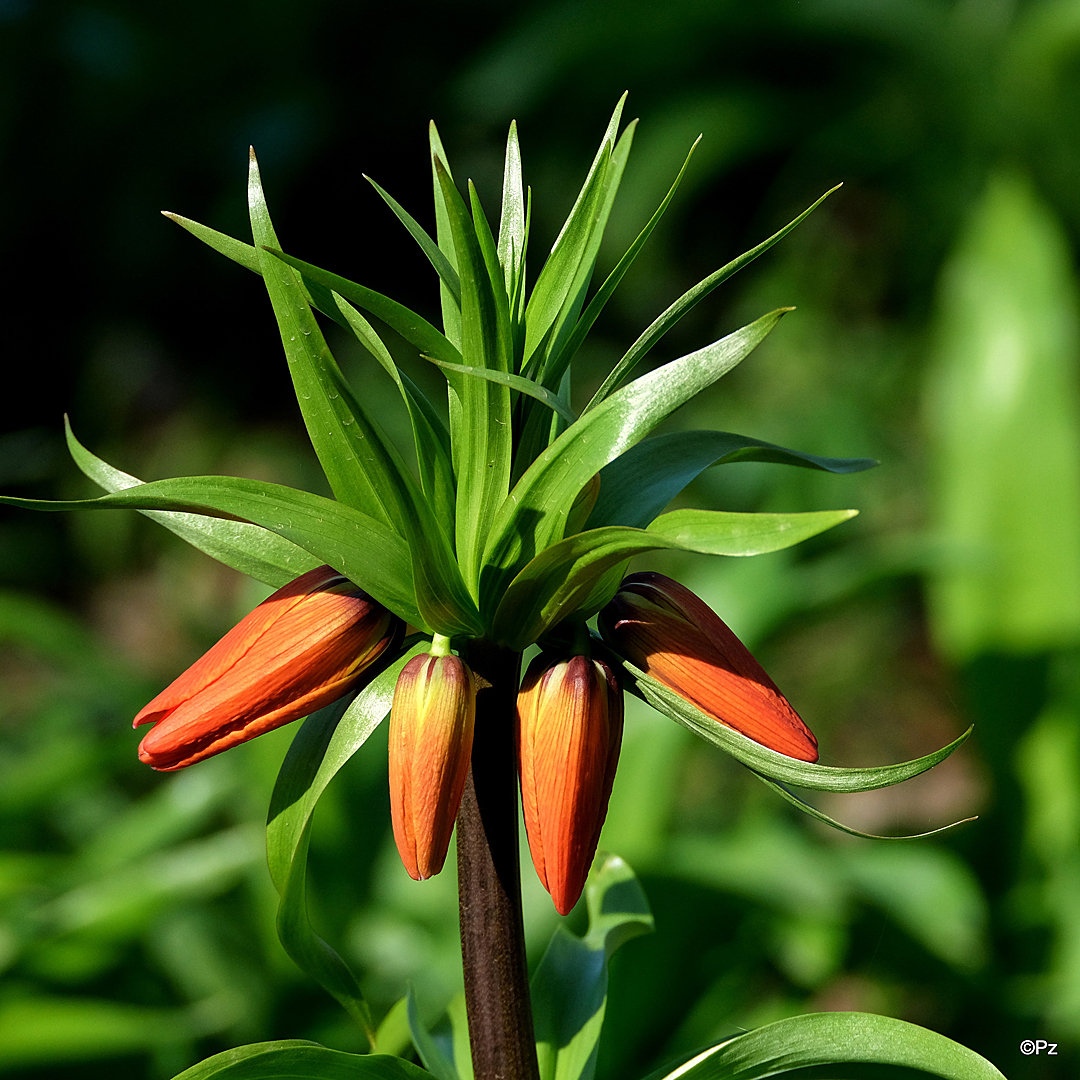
(295, 1059)
(327, 739)
(435, 1059)
(768, 762)
(840, 1046)
(251, 549)
(364, 550)
(569, 989)
(637, 486)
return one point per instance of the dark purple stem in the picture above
(489, 882)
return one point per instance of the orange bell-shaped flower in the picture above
(299, 650)
(431, 735)
(570, 720)
(663, 628)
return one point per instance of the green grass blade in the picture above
(365, 550)
(535, 516)
(637, 486)
(504, 341)
(447, 274)
(668, 318)
(250, 549)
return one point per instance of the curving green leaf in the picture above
(818, 815)
(414, 328)
(840, 1046)
(451, 308)
(327, 739)
(447, 274)
(438, 1063)
(637, 486)
(569, 988)
(534, 515)
(430, 437)
(363, 469)
(244, 254)
(669, 317)
(768, 762)
(295, 1059)
(515, 382)
(250, 549)
(561, 578)
(597, 304)
(560, 270)
(365, 550)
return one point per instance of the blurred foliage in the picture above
(936, 331)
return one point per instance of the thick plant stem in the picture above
(489, 882)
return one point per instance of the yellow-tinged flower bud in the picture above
(299, 650)
(570, 719)
(431, 735)
(663, 628)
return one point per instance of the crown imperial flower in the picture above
(431, 735)
(299, 650)
(570, 718)
(673, 636)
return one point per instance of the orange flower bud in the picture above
(570, 719)
(297, 651)
(431, 735)
(661, 627)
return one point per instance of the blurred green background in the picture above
(936, 330)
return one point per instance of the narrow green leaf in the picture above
(611, 282)
(430, 436)
(559, 272)
(435, 1061)
(447, 274)
(556, 358)
(295, 1059)
(535, 515)
(482, 439)
(327, 739)
(768, 762)
(515, 382)
(414, 328)
(668, 318)
(250, 549)
(511, 247)
(637, 486)
(837, 1045)
(569, 988)
(365, 550)
(244, 254)
(562, 577)
(503, 358)
(814, 812)
(358, 460)
(451, 307)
